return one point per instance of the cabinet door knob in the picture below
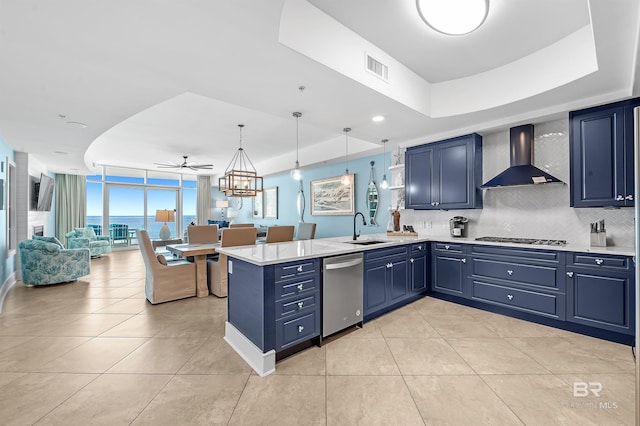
(629, 197)
(411, 260)
(446, 247)
(619, 198)
(300, 305)
(437, 203)
(389, 265)
(599, 261)
(510, 296)
(463, 260)
(419, 247)
(433, 203)
(510, 272)
(570, 274)
(300, 287)
(300, 328)
(300, 268)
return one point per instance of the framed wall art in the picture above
(270, 203)
(330, 197)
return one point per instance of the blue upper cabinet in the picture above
(445, 175)
(601, 157)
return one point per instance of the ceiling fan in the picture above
(184, 165)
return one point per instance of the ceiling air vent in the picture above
(378, 68)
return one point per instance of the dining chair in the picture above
(217, 269)
(202, 234)
(241, 225)
(165, 281)
(306, 231)
(280, 234)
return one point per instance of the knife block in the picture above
(599, 239)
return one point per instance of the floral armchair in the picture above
(87, 238)
(43, 260)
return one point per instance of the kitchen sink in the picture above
(366, 242)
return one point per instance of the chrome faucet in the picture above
(364, 222)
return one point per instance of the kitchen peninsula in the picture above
(274, 301)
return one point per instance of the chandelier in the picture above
(240, 178)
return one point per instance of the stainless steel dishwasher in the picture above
(342, 288)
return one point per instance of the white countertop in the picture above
(267, 254)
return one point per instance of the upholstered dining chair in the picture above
(279, 234)
(202, 234)
(165, 281)
(217, 269)
(306, 231)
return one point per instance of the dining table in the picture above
(199, 252)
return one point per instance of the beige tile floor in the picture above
(96, 352)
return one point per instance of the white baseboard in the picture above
(262, 363)
(6, 286)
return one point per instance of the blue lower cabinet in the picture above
(418, 267)
(393, 277)
(275, 306)
(540, 303)
(601, 298)
(448, 274)
(297, 329)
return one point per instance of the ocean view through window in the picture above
(131, 197)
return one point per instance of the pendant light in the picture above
(346, 177)
(240, 178)
(384, 184)
(296, 173)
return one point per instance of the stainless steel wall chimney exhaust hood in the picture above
(522, 170)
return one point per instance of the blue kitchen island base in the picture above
(262, 363)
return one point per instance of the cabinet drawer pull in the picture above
(300, 287)
(437, 203)
(463, 260)
(433, 203)
(300, 328)
(411, 260)
(446, 247)
(300, 268)
(570, 274)
(510, 296)
(300, 305)
(389, 265)
(419, 247)
(510, 272)
(599, 261)
(629, 197)
(619, 198)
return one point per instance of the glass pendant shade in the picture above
(453, 17)
(240, 178)
(345, 180)
(385, 183)
(296, 172)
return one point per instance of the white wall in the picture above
(535, 211)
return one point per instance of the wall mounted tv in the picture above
(44, 193)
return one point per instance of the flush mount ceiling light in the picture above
(240, 178)
(377, 118)
(453, 17)
(296, 173)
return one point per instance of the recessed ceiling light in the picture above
(453, 17)
(77, 124)
(377, 118)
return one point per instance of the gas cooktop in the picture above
(523, 241)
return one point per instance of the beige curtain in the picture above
(71, 204)
(203, 200)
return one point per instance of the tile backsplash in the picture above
(536, 211)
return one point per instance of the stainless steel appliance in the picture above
(523, 241)
(342, 292)
(458, 226)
